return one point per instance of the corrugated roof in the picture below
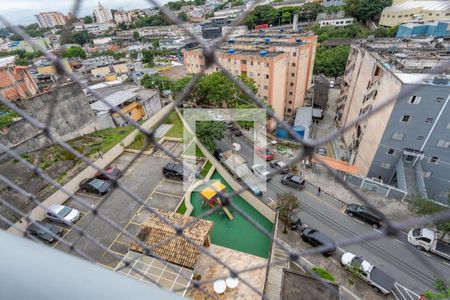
(114, 100)
(171, 247)
(4, 61)
(425, 5)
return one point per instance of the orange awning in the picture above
(336, 164)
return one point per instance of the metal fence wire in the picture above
(390, 228)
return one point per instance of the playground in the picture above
(231, 230)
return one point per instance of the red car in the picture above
(264, 153)
(113, 172)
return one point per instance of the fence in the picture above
(308, 148)
(382, 189)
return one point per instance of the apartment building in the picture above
(407, 143)
(121, 16)
(280, 64)
(102, 14)
(406, 11)
(51, 19)
(16, 82)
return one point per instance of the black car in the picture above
(317, 239)
(297, 182)
(278, 164)
(294, 220)
(109, 173)
(94, 185)
(236, 131)
(44, 231)
(365, 214)
(174, 171)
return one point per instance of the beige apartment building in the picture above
(404, 11)
(51, 19)
(280, 65)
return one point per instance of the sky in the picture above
(23, 11)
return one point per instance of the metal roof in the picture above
(425, 5)
(100, 107)
(5, 61)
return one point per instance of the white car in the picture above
(62, 214)
(369, 273)
(218, 117)
(261, 172)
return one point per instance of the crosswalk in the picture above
(402, 293)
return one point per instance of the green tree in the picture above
(286, 203)
(88, 20)
(4, 33)
(136, 35)
(180, 84)
(80, 37)
(286, 17)
(331, 61)
(183, 16)
(156, 81)
(155, 44)
(208, 132)
(442, 292)
(22, 61)
(74, 52)
(364, 10)
(148, 57)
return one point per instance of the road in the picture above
(395, 256)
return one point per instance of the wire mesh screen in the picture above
(183, 232)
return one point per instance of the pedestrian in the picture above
(318, 191)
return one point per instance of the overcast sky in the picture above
(23, 11)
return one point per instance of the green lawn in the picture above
(177, 129)
(139, 142)
(238, 234)
(206, 169)
(182, 208)
(197, 152)
(108, 138)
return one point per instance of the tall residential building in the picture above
(407, 143)
(51, 19)
(121, 16)
(102, 14)
(403, 11)
(280, 64)
(16, 82)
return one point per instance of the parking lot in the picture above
(145, 180)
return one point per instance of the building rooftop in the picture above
(100, 107)
(6, 61)
(441, 5)
(303, 118)
(298, 286)
(425, 79)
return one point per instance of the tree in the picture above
(148, 57)
(136, 35)
(286, 203)
(88, 20)
(183, 16)
(364, 10)
(442, 287)
(74, 52)
(180, 84)
(80, 37)
(332, 61)
(4, 33)
(208, 132)
(155, 44)
(156, 81)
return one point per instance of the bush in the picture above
(324, 274)
(182, 208)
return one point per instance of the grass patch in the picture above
(139, 142)
(194, 150)
(206, 169)
(109, 138)
(177, 129)
(324, 274)
(182, 208)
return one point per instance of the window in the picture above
(443, 144)
(251, 63)
(414, 100)
(259, 74)
(266, 76)
(427, 174)
(405, 118)
(439, 99)
(398, 136)
(385, 165)
(290, 102)
(265, 87)
(419, 138)
(291, 84)
(434, 160)
(267, 65)
(243, 62)
(292, 74)
(429, 120)
(391, 151)
(290, 93)
(289, 110)
(293, 64)
(294, 54)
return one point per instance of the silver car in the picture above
(62, 214)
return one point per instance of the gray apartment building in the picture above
(407, 143)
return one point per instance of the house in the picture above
(16, 82)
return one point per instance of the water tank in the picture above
(281, 133)
(231, 41)
(263, 53)
(230, 51)
(300, 130)
(298, 40)
(266, 40)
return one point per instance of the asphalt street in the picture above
(393, 255)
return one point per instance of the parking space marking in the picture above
(119, 242)
(166, 194)
(173, 181)
(79, 193)
(105, 266)
(70, 229)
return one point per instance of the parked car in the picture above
(62, 214)
(295, 223)
(173, 171)
(294, 181)
(426, 240)
(316, 239)
(261, 172)
(278, 164)
(94, 185)
(44, 231)
(264, 153)
(369, 273)
(236, 131)
(113, 173)
(322, 151)
(365, 214)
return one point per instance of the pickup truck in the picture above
(426, 240)
(238, 167)
(369, 273)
